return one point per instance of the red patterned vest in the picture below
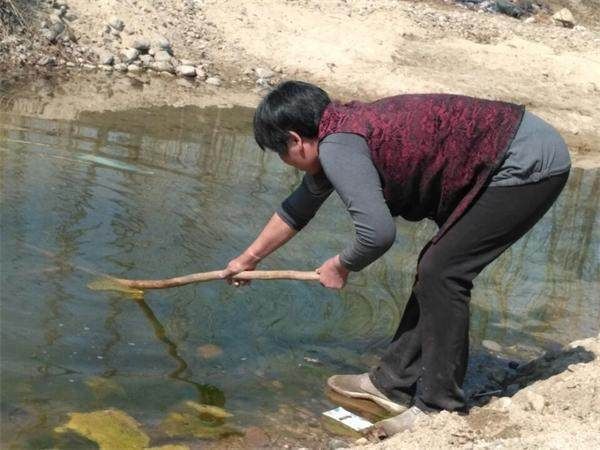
(434, 152)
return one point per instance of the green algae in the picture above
(111, 429)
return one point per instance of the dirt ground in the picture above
(368, 49)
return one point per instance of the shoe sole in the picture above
(388, 405)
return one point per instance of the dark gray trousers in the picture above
(429, 352)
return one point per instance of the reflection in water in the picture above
(158, 192)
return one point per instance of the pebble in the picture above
(491, 345)
(565, 18)
(162, 66)
(134, 68)
(49, 35)
(214, 81)
(162, 55)
(361, 441)
(264, 73)
(529, 20)
(47, 61)
(141, 44)
(130, 55)
(117, 24)
(163, 43)
(186, 71)
(121, 67)
(106, 58)
(255, 437)
(146, 60)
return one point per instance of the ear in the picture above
(294, 142)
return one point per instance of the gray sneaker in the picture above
(360, 386)
(408, 420)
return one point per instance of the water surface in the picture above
(167, 191)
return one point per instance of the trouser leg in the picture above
(430, 349)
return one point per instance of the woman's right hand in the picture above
(240, 264)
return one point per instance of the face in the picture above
(303, 154)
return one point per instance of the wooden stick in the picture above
(215, 275)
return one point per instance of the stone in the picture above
(361, 441)
(106, 58)
(513, 365)
(71, 17)
(130, 55)
(213, 81)
(146, 60)
(186, 71)
(530, 20)
(116, 24)
(134, 68)
(187, 62)
(57, 27)
(565, 18)
(121, 67)
(141, 44)
(255, 437)
(209, 351)
(162, 56)
(163, 43)
(264, 73)
(162, 66)
(491, 345)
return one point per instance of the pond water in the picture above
(152, 193)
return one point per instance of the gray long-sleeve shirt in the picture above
(537, 152)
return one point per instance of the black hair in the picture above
(291, 106)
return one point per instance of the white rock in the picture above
(130, 55)
(186, 62)
(163, 43)
(214, 81)
(162, 56)
(264, 73)
(186, 71)
(579, 28)
(162, 66)
(530, 20)
(146, 60)
(116, 23)
(106, 58)
(121, 67)
(565, 18)
(134, 68)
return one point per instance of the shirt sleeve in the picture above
(346, 161)
(302, 204)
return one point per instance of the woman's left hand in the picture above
(332, 274)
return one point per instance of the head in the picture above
(287, 122)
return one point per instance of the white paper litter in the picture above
(349, 419)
